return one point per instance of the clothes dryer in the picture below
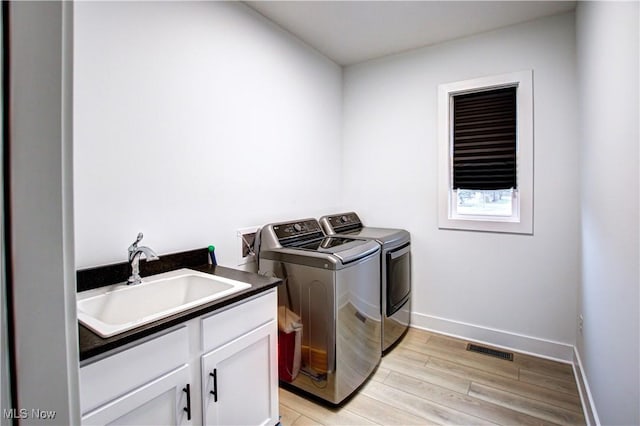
(395, 271)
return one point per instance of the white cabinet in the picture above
(168, 379)
(239, 364)
(239, 383)
(163, 401)
(144, 384)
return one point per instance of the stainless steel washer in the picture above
(330, 283)
(395, 272)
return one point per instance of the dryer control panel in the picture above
(343, 222)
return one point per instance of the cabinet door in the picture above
(128, 369)
(160, 402)
(240, 380)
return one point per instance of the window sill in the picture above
(487, 224)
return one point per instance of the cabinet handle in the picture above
(188, 407)
(214, 392)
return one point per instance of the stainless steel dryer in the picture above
(329, 282)
(395, 272)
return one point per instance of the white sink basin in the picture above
(114, 309)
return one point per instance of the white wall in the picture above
(41, 262)
(193, 120)
(608, 57)
(522, 285)
(5, 389)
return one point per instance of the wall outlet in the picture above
(246, 237)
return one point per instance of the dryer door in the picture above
(398, 277)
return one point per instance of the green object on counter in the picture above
(212, 255)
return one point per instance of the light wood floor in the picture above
(431, 379)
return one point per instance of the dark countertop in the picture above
(91, 344)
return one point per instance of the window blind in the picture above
(484, 140)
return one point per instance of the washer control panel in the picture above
(297, 229)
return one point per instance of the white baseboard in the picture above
(589, 408)
(517, 342)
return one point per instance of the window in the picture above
(486, 154)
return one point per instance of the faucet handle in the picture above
(134, 246)
(139, 238)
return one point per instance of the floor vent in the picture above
(488, 351)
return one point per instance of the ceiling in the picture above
(349, 32)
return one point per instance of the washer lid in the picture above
(344, 248)
(352, 251)
(327, 244)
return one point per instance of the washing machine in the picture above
(395, 271)
(329, 283)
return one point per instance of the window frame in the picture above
(521, 221)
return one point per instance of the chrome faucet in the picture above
(134, 259)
